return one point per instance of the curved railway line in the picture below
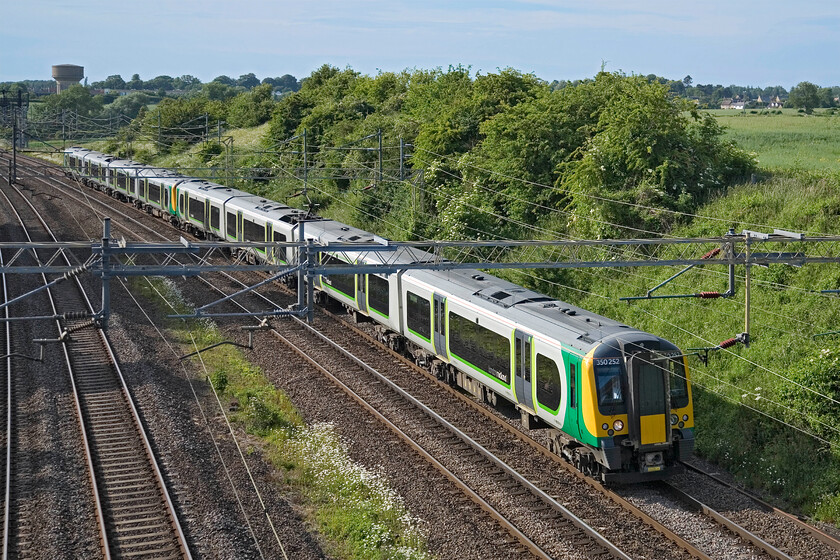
(470, 457)
(135, 513)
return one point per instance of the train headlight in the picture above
(685, 417)
(618, 425)
(674, 419)
(605, 426)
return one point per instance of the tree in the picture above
(113, 82)
(160, 82)
(135, 82)
(186, 82)
(127, 105)
(218, 91)
(647, 151)
(76, 98)
(687, 81)
(826, 96)
(806, 96)
(248, 81)
(251, 108)
(226, 80)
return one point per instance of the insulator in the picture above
(708, 295)
(727, 343)
(75, 272)
(74, 315)
(710, 254)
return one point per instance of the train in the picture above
(613, 400)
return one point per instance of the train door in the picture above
(522, 369)
(649, 399)
(361, 297)
(571, 423)
(440, 324)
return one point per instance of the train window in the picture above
(215, 215)
(573, 385)
(181, 204)
(608, 383)
(154, 193)
(196, 209)
(651, 389)
(231, 225)
(344, 283)
(679, 384)
(252, 231)
(480, 347)
(419, 315)
(378, 296)
(122, 180)
(549, 387)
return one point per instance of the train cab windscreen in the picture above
(608, 381)
(679, 383)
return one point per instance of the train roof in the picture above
(161, 175)
(98, 157)
(133, 167)
(564, 322)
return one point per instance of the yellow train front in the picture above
(635, 420)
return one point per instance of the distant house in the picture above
(729, 103)
(773, 103)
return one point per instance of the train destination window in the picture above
(231, 225)
(419, 315)
(344, 283)
(196, 209)
(378, 296)
(549, 387)
(215, 214)
(480, 347)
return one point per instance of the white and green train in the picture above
(615, 401)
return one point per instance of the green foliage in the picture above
(181, 121)
(127, 106)
(219, 379)
(818, 380)
(218, 91)
(805, 95)
(643, 150)
(251, 108)
(77, 98)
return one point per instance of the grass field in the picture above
(790, 141)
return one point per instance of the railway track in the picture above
(136, 516)
(6, 407)
(767, 549)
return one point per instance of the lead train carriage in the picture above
(616, 401)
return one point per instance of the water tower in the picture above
(66, 75)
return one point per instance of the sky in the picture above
(744, 42)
